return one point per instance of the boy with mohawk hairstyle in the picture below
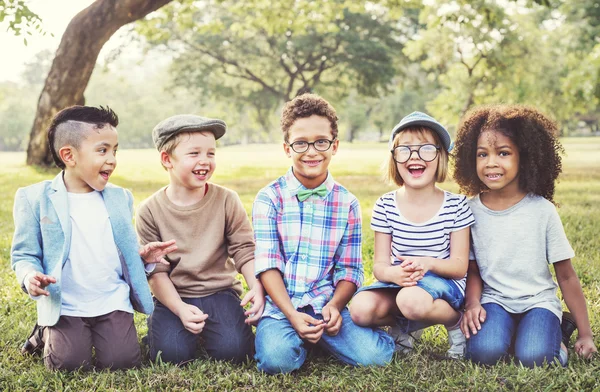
(197, 294)
(75, 250)
(308, 251)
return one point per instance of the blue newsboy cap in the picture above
(168, 128)
(425, 120)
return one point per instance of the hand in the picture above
(472, 319)
(309, 328)
(585, 347)
(192, 318)
(155, 252)
(37, 283)
(332, 319)
(402, 276)
(419, 266)
(257, 296)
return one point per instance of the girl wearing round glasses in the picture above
(421, 241)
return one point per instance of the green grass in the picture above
(246, 169)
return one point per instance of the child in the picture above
(508, 158)
(75, 251)
(425, 232)
(197, 294)
(308, 251)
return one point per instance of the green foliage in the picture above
(259, 54)
(20, 18)
(357, 167)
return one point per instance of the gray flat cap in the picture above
(174, 125)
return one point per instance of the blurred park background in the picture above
(376, 61)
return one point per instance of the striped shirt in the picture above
(427, 239)
(314, 244)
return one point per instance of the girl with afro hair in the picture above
(508, 159)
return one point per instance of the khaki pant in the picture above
(68, 344)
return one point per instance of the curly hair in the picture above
(535, 136)
(304, 106)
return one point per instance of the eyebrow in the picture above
(105, 144)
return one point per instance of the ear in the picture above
(334, 146)
(165, 158)
(287, 149)
(68, 154)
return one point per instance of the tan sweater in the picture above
(214, 239)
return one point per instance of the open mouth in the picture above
(201, 172)
(416, 170)
(105, 174)
(493, 176)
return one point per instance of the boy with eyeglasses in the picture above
(197, 295)
(308, 239)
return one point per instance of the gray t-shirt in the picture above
(513, 249)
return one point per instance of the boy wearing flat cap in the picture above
(197, 295)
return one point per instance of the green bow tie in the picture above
(304, 194)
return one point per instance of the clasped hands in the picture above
(406, 271)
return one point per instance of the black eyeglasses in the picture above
(427, 152)
(320, 145)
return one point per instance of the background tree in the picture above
(74, 62)
(263, 54)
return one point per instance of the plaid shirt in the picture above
(314, 243)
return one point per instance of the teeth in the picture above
(200, 172)
(415, 167)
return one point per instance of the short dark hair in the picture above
(534, 134)
(304, 106)
(67, 126)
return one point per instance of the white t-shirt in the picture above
(92, 277)
(513, 249)
(427, 239)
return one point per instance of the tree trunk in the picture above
(74, 62)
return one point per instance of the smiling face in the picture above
(498, 161)
(89, 166)
(415, 172)
(192, 162)
(310, 167)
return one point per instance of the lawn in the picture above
(246, 169)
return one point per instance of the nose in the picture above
(491, 161)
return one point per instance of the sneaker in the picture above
(567, 327)
(404, 341)
(458, 344)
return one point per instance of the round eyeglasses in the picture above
(320, 145)
(427, 152)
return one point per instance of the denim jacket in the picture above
(42, 241)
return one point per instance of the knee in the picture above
(486, 354)
(170, 353)
(362, 314)
(379, 354)
(276, 359)
(234, 350)
(411, 309)
(531, 358)
(70, 362)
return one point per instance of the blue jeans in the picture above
(436, 286)
(225, 335)
(533, 337)
(279, 348)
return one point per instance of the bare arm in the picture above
(256, 294)
(383, 270)
(474, 313)
(569, 284)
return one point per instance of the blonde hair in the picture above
(392, 175)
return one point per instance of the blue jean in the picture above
(279, 348)
(533, 337)
(225, 335)
(436, 286)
